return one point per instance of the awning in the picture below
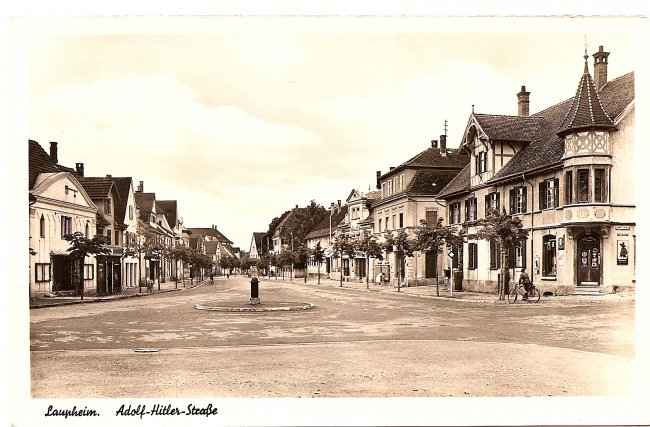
(59, 252)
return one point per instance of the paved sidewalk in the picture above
(42, 301)
(446, 294)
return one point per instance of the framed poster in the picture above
(622, 250)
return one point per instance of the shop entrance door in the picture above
(589, 261)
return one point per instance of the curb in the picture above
(305, 306)
(114, 298)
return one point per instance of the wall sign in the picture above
(622, 249)
(560, 243)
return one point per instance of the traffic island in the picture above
(235, 307)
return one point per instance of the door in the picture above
(101, 277)
(430, 259)
(589, 261)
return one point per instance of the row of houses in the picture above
(63, 200)
(567, 172)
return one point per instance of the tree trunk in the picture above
(81, 275)
(368, 273)
(504, 267)
(318, 280)
(140, 273)
(341, 269)
(435, 263)
(398, 264)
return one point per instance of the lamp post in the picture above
(329, 273)
(292, 256)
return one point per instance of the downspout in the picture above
(532, 226)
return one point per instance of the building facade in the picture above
(567, 172)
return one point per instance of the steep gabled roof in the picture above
(508, 128)
(97, 187)
(123, 186)
(170, 209)
(39, 161)
(586, 111)
(459, 184)
(429, 182)
(202, 232)
(145, 202)
(211, 247)
(432, 158)
(323, 227)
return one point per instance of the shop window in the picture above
(549, 257)
(472, 262)
(42, 272)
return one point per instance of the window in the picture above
(107, 206)
(390, 187)
(66, 225)
(87, 230)
(599, 185)
(42, 226)
(431, 218)
(383, 189)
(495, 255)
(470, 210)
(130, 212)
(454, 213)
(520, 254)
(548, 194)
(117, 237)
(386, 228)
(401, 220)
(549, 259)
(472, 262)
(401, 182)
(492, 201)
(568, 187)
(379, 227)
(481, 162)
(109, 237)
(42, 272)
(583, 185)
(89, 272)
(394, 224)
(518, 200)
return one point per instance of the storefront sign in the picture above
(626, 227)
(622, 251)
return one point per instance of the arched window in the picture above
(549, 257)
(87, 230)
(42, 226)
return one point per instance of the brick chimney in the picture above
(140, 187)
(109, 176)
(443, 145)
(79, 167)
(600, 68)
(523, 102)
(434, 143)
(378, 183)
(54, 152)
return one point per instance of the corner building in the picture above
(568, 173)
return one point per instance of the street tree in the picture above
(285, 259)
(153, 251)
(431, 239)
(301, 257)
(368, 245)
(343, 246)
(81, 247)
(273, 260)
(402, 246)
(504, 230)
(183, 254)
(318, 255)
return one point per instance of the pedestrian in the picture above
(227, 275)
(212, 277)
(524, 279)
(379, 278)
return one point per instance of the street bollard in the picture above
(255, 292)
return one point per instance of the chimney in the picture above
(296, 206)
(522, 102)
(140, 187)
(109, 176)
(434, 143)
(79, 168)
(339, 203)
(443, 145)
(378, 183)
(600, 68)
(54, 152)
(391, 168)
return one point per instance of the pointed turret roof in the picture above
(586, 111)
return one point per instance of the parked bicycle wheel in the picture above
(534, 295)
(512, 296)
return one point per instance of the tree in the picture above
(503, 229)
(153, 250)
(227, 262)
(343, 246)
(402, 246)
(180, 253)
(301, 257)
(285, 259)
(81, 247)
(368, 245)
(262, 263)
(273, 260)
(318, 254)
(431, 238)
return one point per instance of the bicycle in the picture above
(519, 289)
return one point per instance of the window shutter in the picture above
(524, 244)
(512, 201)
(511, 255)
(498, 201)
(487, 204)
(524, 199)
(556, 191)
(467, 218)
(542, 198)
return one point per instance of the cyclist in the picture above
(524, 279)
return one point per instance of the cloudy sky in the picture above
(242, 118)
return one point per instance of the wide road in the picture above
(353, 344)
